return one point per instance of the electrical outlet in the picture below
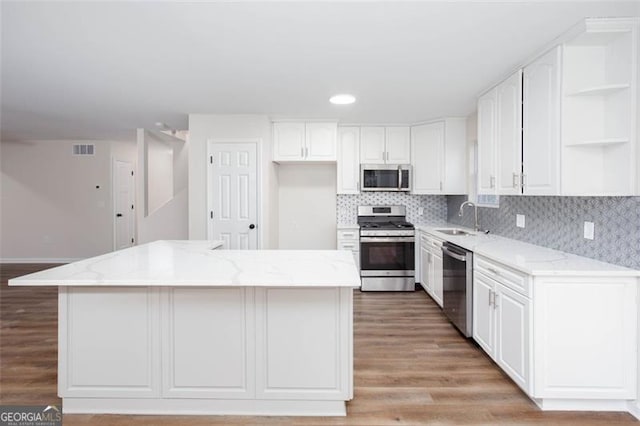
(420, 211)
(589, 230)
(520, 220)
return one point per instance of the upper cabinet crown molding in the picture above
(303, 142)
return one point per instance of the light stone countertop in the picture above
(528, 258)
(198, 263)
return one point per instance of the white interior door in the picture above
(123, 187)
(232, 194)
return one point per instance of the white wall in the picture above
(307, 198)
(203, 127)
(159, 174)
(163, 214)
(55, 206)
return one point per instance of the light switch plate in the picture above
(420, 211)
(520, 220)
(589, 230)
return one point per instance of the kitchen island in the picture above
(177, 327)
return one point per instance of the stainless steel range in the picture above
(387, 248)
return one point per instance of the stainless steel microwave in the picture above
(385, 177)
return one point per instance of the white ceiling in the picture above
(94, 70)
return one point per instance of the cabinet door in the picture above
(509, 135)
(348, 167)
(513, 335)
(320, 140)
(483, 313)
(425, 263)
(541, 129)
(437, 276)
(427, 155)
(487, 111)
(208, 345)
(304, 343)
(288, 141)
(398, 145)
(109, 342)
(372, 150)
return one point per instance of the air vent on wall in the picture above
(83, 149)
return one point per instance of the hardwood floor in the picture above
(411, 368)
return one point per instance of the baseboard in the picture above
(39, 260)
(634, 409)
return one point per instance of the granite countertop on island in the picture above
(198, 263)
(528, 258)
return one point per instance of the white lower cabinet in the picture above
(501, 326)
(513, 335)
(483, 312)
(430, 270)
(569, 342)
(349, 239)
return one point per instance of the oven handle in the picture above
(457, 256)
(387, 239)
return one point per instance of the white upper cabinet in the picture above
(385, 145)
(348, 167)
(288, 141)
(321, 141)
(566, 123)
(487, 118)
(509, 135)
(541, 125)
(398, 145)
(304, 142)
(500, 138)
(438, 157)
(372, 145)
(427, 152)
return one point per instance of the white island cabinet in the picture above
(174, 327)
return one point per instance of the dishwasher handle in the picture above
(460, 257)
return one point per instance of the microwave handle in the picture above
(399, 178)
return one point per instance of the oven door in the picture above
(387, 256)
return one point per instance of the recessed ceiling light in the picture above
(342, 99)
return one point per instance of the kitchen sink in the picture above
(455, 231)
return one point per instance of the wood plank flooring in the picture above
(411, 368)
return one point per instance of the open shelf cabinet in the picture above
(599, 91)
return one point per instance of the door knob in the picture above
(252, 226)
(119, 215)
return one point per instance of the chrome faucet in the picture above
(461, 212)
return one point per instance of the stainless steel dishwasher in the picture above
(457, 283)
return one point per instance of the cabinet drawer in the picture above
(349, 234)
(352, 245)
(511, 278)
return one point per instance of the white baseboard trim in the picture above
(561, 404)
(175, 406)
(39, 259)
(634, 409)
